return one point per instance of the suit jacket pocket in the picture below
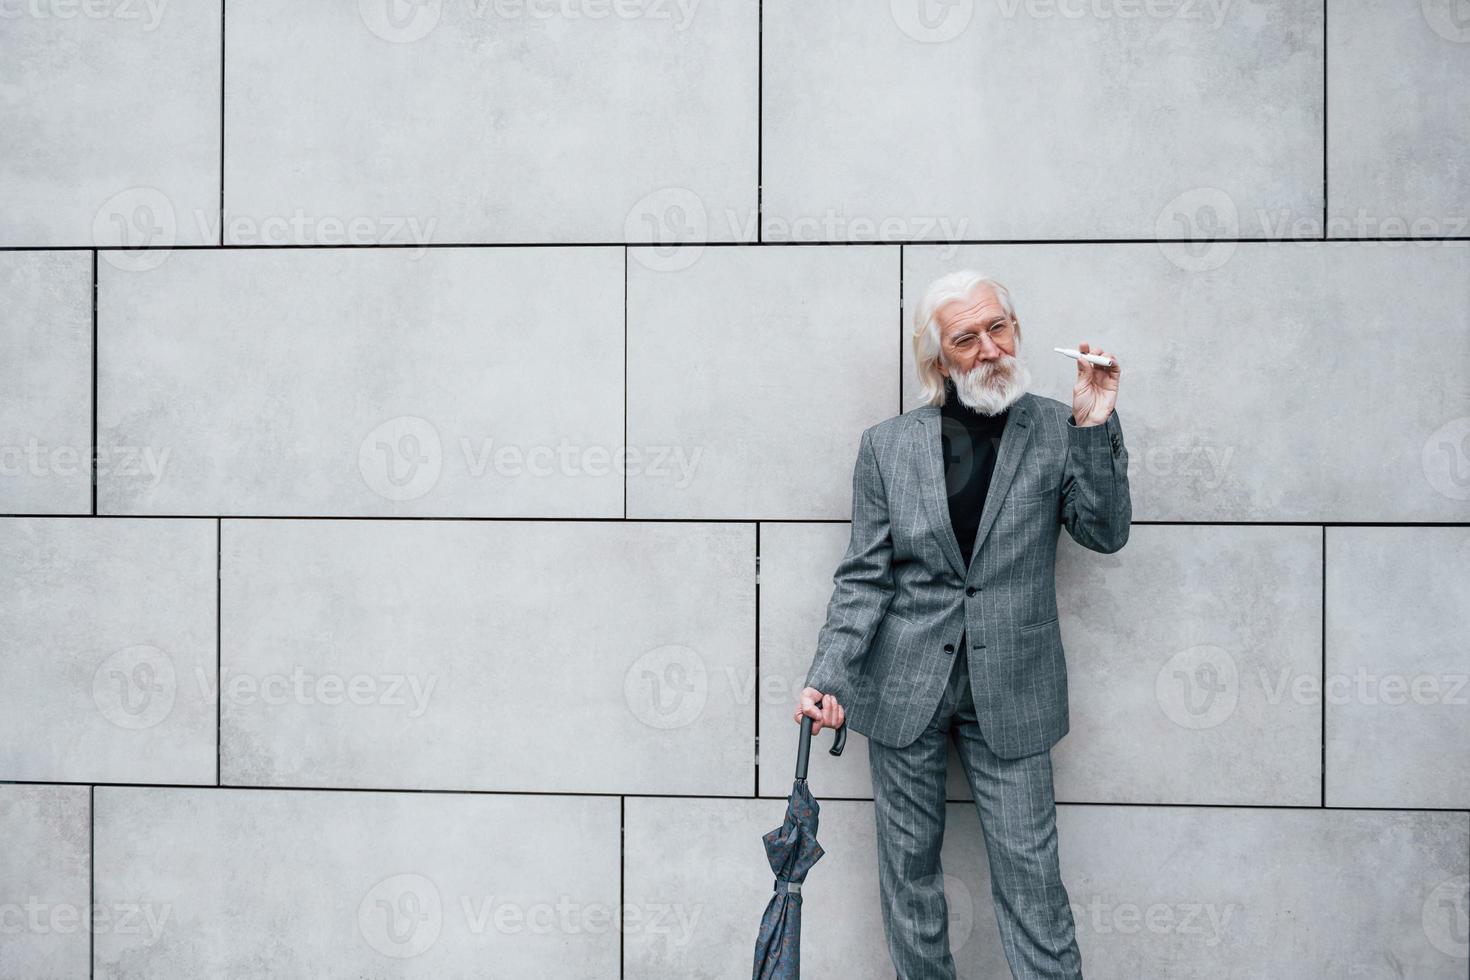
(1040, 626)
(902, 619)
(1040, 642)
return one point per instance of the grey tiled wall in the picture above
(428, 431)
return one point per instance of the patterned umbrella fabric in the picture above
(791, 849)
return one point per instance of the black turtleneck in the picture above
(970, 442)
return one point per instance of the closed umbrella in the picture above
(792, 849)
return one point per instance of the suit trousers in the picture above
(1017, 810)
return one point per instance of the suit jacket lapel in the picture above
(935, 493)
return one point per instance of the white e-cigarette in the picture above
(1097, 359)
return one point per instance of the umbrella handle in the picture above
(804, 746)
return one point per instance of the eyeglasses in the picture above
(999, 331)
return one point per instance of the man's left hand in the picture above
(1096, 390)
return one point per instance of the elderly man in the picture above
(943, 620)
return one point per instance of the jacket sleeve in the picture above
(863, 583)
(1096, 506)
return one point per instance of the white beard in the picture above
(991, 387)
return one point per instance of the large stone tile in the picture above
(46, 380)
(1198, 894)
(589, 657)
(752, 373)
(1398, 666)
(483, 382)
(491, 122)
(1194, 662)
(1398, 119)
(1239, 379)
(1178, 892)
(45, 882)
(1031, 120)
(255, 883)
(111, 119)
(107, 662)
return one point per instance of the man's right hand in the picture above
(830, 714)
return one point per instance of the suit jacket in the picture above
(902, 595)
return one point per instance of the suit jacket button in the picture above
(949, 648)
(971, 590)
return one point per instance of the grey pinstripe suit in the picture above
(902, 601)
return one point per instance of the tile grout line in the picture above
(732, 797)
(91, 880)
(222, 121)
(94, 383)
(1324, 121)
(1322, 643)
(625, 382)
(760, 118)
(757, 699)
(219, 678)
(622, 878)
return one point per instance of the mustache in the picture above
(1006, 364)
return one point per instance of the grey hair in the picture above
(927, 352)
